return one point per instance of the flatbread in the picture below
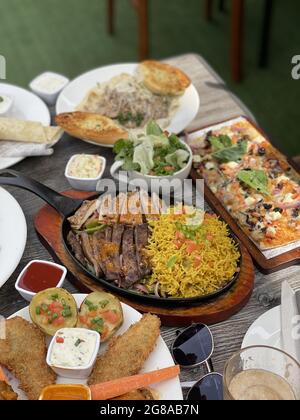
(91, 126)
(163, 79)
(27, 131)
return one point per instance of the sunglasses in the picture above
(193, 348)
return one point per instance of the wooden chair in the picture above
(142, 10)
(237, 33)
(237, 30)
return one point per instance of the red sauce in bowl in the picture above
(40, 276)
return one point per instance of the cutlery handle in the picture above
(64, 205)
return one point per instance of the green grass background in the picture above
(69, 36)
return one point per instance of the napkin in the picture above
(18, 150)
(290, 320)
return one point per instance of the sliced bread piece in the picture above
(163, 79)
(90, 126)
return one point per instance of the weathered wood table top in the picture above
(217, 104)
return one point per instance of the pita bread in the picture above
(27, 131)
(163, 79)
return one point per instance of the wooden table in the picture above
(216, 104)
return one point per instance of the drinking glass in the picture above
(270, 361)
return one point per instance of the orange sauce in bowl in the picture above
(66, 393)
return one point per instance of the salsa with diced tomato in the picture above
(53, 309)
(101, 312)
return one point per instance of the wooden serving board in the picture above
(48, 224)
(267, 266)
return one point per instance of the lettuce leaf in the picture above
(153, 129)
(178, 159)
(143, 156)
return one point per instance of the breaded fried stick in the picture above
(128, 353)
(23, 352)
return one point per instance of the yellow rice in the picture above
(219, 258)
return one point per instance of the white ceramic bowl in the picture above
(30, 295)
(49, 96)
(82, 372)
(85, 184)
(181, 175)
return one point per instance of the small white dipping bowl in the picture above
(48, 86)
(85, 184)
(27, 295)
(81, 372)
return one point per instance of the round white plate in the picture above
(160, 358)
(76, 91)
(13, 235)
(266, 331)
(27, 106)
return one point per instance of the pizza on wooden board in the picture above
(253, 181)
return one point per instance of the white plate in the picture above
(13, 235)
(27, 106)
(160, 358)
(266, 331)
(76, 91)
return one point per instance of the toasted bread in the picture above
(88, 126)
(163, 79)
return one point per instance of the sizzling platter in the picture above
(176, 255)
(109, 239)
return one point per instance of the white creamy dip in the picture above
(49, 83)
(73, 348)
(85, 167)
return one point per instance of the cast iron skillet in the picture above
(66, 207)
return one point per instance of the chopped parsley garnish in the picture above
(78, 342)
(91, 306)
(104, 304)
(126, 117)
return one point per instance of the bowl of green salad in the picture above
(152, 156)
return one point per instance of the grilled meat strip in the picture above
(75, 244)
(87, 209)
(141, 233)
(115, 270)
(97, 243)
(130, 264)
(89, 252)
